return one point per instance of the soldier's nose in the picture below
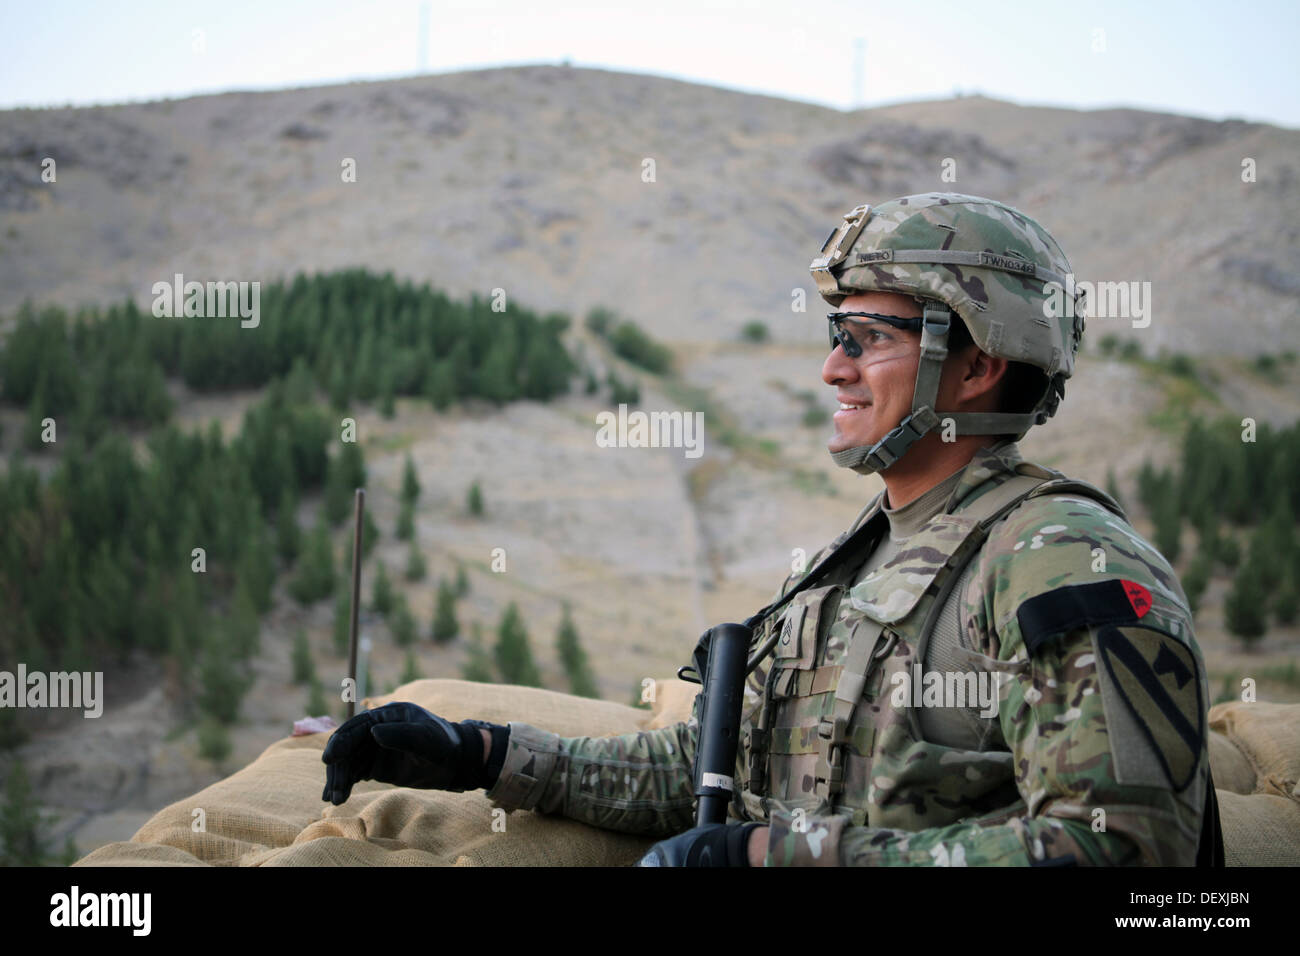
(838, 368)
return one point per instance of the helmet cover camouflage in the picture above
(1006, 302)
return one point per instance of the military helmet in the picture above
(1000, 271)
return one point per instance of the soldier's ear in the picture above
(980, 373)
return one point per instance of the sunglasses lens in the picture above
(841, 336)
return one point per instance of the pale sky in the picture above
(1198, 58)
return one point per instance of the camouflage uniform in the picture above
(1099, 753)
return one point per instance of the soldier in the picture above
(997, 670)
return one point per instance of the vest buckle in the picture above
(833, 732)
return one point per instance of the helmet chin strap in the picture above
(923, 419)
(869, 459)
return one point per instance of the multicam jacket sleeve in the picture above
(634, 783)
(1104, 713)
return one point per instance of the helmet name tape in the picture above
(1006, 262)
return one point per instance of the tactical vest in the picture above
(830, 736)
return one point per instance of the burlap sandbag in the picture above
(1231, 770)
(1255, 759)
(270, 813)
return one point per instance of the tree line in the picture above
(355, 336)
(1237, 486)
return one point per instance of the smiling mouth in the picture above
(845, 407)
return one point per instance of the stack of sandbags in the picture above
(270, 813)
(1255, 760)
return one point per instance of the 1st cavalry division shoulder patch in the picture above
(1153, 674)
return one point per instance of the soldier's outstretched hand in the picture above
(404, 744)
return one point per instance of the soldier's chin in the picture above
(833, 446)
(840, 441)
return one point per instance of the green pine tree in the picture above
(462, 581)
(474, 500)
(1112, 487)
(410, 481)
(340, 385)
(21, 841)
(1245, 606)
(36, 413)
(242, 625)
(317, 705)
(381, 595)
(369, 538)
(440, 385)
(1262, 555)
(497, 379)
(12, 733)
(300, 385)
(1197, 579)
(411, 671)
(353, 465)
(315, 577)
(1229, 551)
(405, 530)
(342, 632)
(478, 665)
(445, 626)
(514, 658)
(369, 534)
(415, 566)
(214, 740)
(1168, 527)
(287, 535)
(1286, 599)
(401, 622)
(387, 397)
(574, 658)
(221, 683)
(256, 570)
(304, 669)
(339, 495)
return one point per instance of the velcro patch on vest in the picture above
(1050, 615)
(1158, 680)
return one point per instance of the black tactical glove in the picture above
(404, 744)
(716, 844)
